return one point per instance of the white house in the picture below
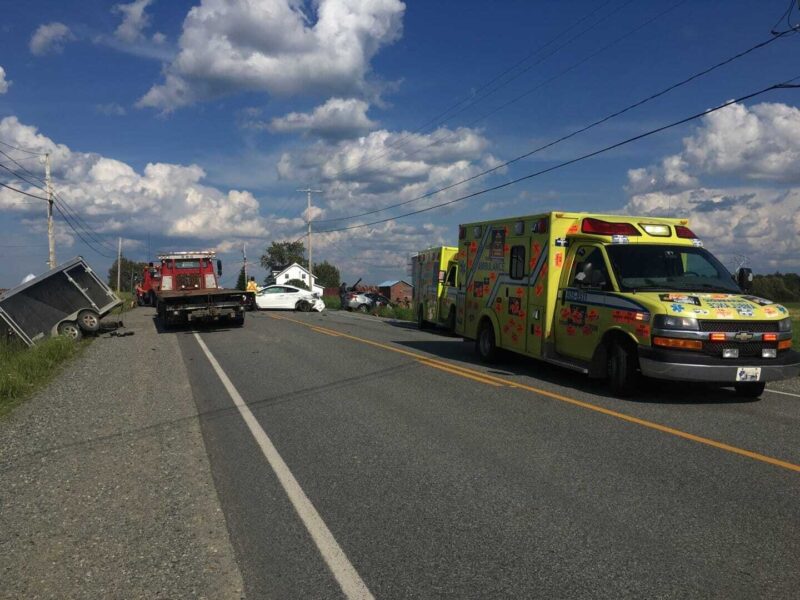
(293, 271)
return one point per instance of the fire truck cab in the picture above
(617, 297)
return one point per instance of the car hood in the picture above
(735, 307)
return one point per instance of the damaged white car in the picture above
(288, 297)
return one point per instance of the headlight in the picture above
(785, 324)
(670, 322)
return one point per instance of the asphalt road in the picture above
(438, 477)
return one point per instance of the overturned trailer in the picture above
(67, 300)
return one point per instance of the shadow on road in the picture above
(513, 366)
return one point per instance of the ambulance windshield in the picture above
(669, 268)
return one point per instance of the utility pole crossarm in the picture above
(309, 191)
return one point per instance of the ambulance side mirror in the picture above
(744, 279)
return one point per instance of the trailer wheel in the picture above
(749, 389)
(485, 344)
(70, 329)
(89, 320)
(623, 374)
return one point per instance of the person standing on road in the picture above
(252, 286)
(342, 293)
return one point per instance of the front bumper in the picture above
(692, 366)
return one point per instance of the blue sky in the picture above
(181, 125)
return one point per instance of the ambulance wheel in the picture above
(70, 329)
(421, 322)
(485, 344)
(749, 389)
(623, 375)
(89, 320)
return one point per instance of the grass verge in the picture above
(332, 302)
(27, 369)
(794, 313)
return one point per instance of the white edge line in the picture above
(784, 393)
(348, 578)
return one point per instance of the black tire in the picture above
(451, 319)
(421, 322)
(623, 369)
(485, 343)
(749, 389)
(363, 308)
(89, 320)
(303, 306)
(70, 329)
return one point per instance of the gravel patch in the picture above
(105, 486)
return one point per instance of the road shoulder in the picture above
(105, 485)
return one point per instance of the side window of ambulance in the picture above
(589, 270)
(451, 276)
(517, 266)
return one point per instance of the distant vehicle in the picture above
(365, 301)
(68, 300)
(434, 272)
(190, 291)
(288, 297)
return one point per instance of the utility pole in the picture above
(244, 260)
(51, 238)
(119, 262)
(309, 191)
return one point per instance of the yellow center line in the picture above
(455, 372)
(326, 332)
(492, 380)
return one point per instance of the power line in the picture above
(21, 149)
(439, 120)
(613, 115)
(13, 189)
(784, 85)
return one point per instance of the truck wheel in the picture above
(485, 344)
(238, 321)
(421, 322)
(749, 389)
(623, 374)
(89, 320)
(451, 319)
(71, 330)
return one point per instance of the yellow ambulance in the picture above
(617, 297)
(433, 273)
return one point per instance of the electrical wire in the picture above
(31, 152)
(13, 189)
(474, 101)
(613, 115)
(784, 85)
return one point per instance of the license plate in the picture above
(748, 373)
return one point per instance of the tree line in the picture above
(781, 287)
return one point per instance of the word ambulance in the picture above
(616, 297)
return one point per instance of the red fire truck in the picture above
(189, 290)
(149, 286)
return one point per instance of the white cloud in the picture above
(4, 83)
(740, 145)
(112, 109)
(762, 224)
(761, 142)
(166, 199)
(337, 119)
(271, 45)
(134, 20)
(50, 39)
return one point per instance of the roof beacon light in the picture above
(684, 232)
(598, 227)
(655, 230)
